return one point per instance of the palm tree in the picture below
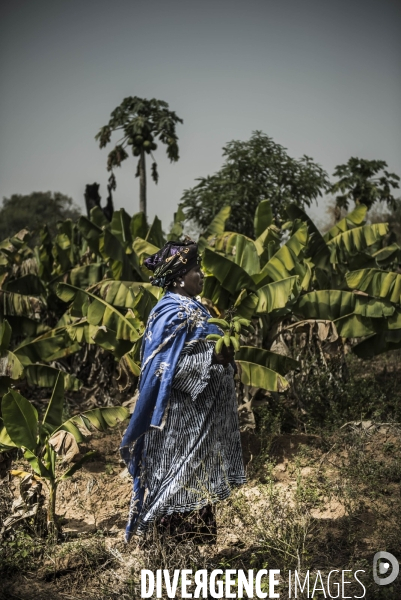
(141, 123)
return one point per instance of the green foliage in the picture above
(18, 553)
(263, 369)
(330, 402)
(255, 170)
(364, 182)
(42, 440)
(33, 210)
(87, 285)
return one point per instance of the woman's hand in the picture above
(225, 357)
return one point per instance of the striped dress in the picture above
(195, 458)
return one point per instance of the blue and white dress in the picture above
(182, 446)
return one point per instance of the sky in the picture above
(322, 78)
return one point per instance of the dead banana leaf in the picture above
(63, 442)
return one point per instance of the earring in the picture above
(182, 284)
(174, 283)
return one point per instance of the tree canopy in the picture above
(34, 210)
(254, 170)
(364, 182)
(140, 122)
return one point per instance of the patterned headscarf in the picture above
(173, 260)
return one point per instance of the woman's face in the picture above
(193, 282)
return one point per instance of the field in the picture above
(324, 499)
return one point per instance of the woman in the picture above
(182, 446)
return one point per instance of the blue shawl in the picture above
(174, 321)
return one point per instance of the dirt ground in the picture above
(310, 503)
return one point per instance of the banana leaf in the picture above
(263, 217)
(277, 295)
(231, 276)
(387, 256)
(99, 419)
(52, 345)
(217, 225)
(20, 419)
(91, 233)
(353, 219)
(129, 361)
(27, 285)
(97, 217)
(123, 294)
(144, 302)
(26, 328)
(238, 248)
(101, 312)
(87, 275)
(107, 339)
(277, 362)
(258, 376)
(246, 304)
(117, 293)
(143, 248)
(267, 244)
(286, 261)
(46, 376)
(122, 265)
(377, 283)
(155, 234)
(5, 335)
(10, 365)
(354, 315)
(66, 247)
(218, 296)
(6, 442)
(120, 227)
(138, 226)
(19, 305)
(334, 304)
(355, 240)
(316, 248)
(355, 326)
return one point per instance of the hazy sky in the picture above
(323, 78)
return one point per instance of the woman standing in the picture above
(182, 446)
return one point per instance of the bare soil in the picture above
(310, 503)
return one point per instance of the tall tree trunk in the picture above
(142, 183)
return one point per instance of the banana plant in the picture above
(382, 287)
(354, 315)
(49, 443)
(115, 313)
(115, 331)
(349, 244)
(96, 267)
(23, 295)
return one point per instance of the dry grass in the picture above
(327, 500)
